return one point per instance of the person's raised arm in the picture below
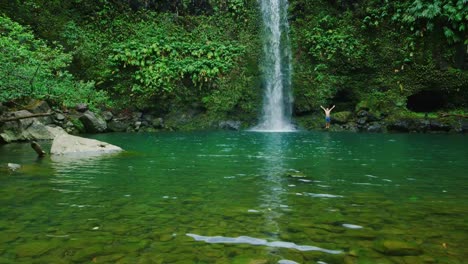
(332, 107)
(322, 108)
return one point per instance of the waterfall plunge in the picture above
(276, 68)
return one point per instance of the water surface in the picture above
(240, 197)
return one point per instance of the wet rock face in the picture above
(438, 126)
(464, 127)
(92, 123)
(116, 125)
(107, 115)
(399, 126)
(375, 128)
(230, 125)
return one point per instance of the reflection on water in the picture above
(273, 171)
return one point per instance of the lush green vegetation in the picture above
(31, 68)
(185, 55)
(376, 54)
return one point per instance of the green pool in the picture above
(240, 197)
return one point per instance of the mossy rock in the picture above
(78, 125)
(108, 258)
(397, 248)
(88, 253)
(311, 122)
(342, 117)
(33, 249)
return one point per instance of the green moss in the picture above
(78, 124)
(342, 117)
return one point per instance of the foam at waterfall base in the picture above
(267, 129)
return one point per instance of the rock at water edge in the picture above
(67, 144)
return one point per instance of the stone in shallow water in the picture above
(33, 249)
(6, 237)
(351, 226)
(87, 254)
(295, 174)
(397, 248)
(287, 261)
(108, 258)
(13, 166)
(166, 237)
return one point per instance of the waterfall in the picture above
(276, 68)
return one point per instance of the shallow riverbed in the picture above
(240, 197)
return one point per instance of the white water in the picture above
(276, 68)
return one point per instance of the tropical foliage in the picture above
(31, 68)
(178, 55)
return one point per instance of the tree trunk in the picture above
(24, 117)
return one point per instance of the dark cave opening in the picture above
(345, 100)
(427, 101)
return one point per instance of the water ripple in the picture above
(259, 242)
(323, 195)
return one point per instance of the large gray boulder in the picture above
(66, 144)
(39, 106)
(118, 125)
(26, 129)
(92, 123)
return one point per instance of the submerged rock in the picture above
(67, 144)
(295, 174)
(13, 166)
(397, 248)
(33, 249)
